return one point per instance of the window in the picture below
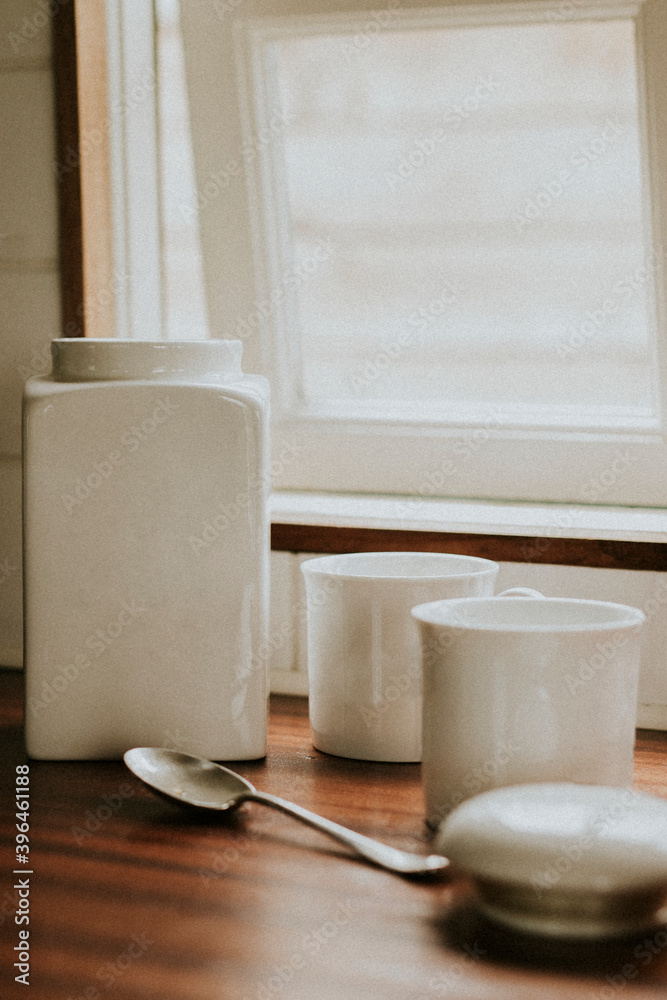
(437, 230)
(454, 201)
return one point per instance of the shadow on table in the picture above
(619, 961)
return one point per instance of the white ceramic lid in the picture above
(85, 359)
(565, 837)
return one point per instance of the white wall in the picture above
(29, 292)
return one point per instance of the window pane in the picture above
(466, 220)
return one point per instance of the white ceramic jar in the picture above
(146, 551)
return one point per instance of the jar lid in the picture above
(86, 359)
(562, 859)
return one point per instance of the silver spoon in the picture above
(197, 782)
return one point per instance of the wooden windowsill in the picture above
(606, 537)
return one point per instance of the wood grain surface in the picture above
(130, 897)
(602, 553)
(68, 170)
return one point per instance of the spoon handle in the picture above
(380, 854)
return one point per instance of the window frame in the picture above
(482, 458)
(292, 479)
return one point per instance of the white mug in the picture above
(364, 656)
(524, 689)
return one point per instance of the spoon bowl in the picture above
(195, 782)
(191, 781)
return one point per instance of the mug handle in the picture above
(520, 592)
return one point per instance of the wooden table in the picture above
(130, 897)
